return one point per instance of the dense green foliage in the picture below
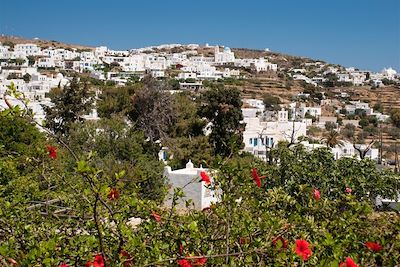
(114, 100)
(70, 104)
(98, 192)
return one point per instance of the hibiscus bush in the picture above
(60, 208)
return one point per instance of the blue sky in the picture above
(360, 33)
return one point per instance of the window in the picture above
(250, 141)
(270, 142)
(255, 141)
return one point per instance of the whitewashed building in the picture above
(226, 56)
(389, 73)
(260, 135)
(27, 49)
(262, 65)
(194, 189)
(347, 150)
(358, 105)
(46, 62)
(313, 111)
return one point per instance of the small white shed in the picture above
(190, 181)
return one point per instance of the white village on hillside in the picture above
(35, 71)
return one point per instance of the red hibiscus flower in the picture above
(200, 261)
(98, 262)
(282, 240)
(316, 194)
(114, 194)
(52, 151)
(63, 265)
(302, 249)
(184, 263)
(348, 263)
(205, 178)
(375, 247)
(156, 216)
(256, 177)
(348, 190)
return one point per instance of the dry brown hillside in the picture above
(257, 84)
(389, 96)
(42, 43)
(283, 60)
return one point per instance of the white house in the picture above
(46, 62)
(255, 103)
(347, 150)
(358, 105)
(157, 73)
(354, 77)
(389, 73)
(260, 135)
(4, 53)
(244, 62)
(302, 77)
(189, 180)
(314, 111)
(27, 49)
(262, 65)
(187, 75)
(230, 73)
(191, 86)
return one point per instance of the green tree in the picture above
(378, 106)
(364, 122)
(120, 148)
(188, 123)
(271, 102)
(222, 107)
(27, 77)
(330, 126)
(348, 131)
(19, 61)
(115, 100)
(332, 139)
(31, 60)
(70, 104)
(395, 117)
(182, 149)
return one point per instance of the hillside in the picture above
(387, 95)
(42, 43)
(256, 84)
